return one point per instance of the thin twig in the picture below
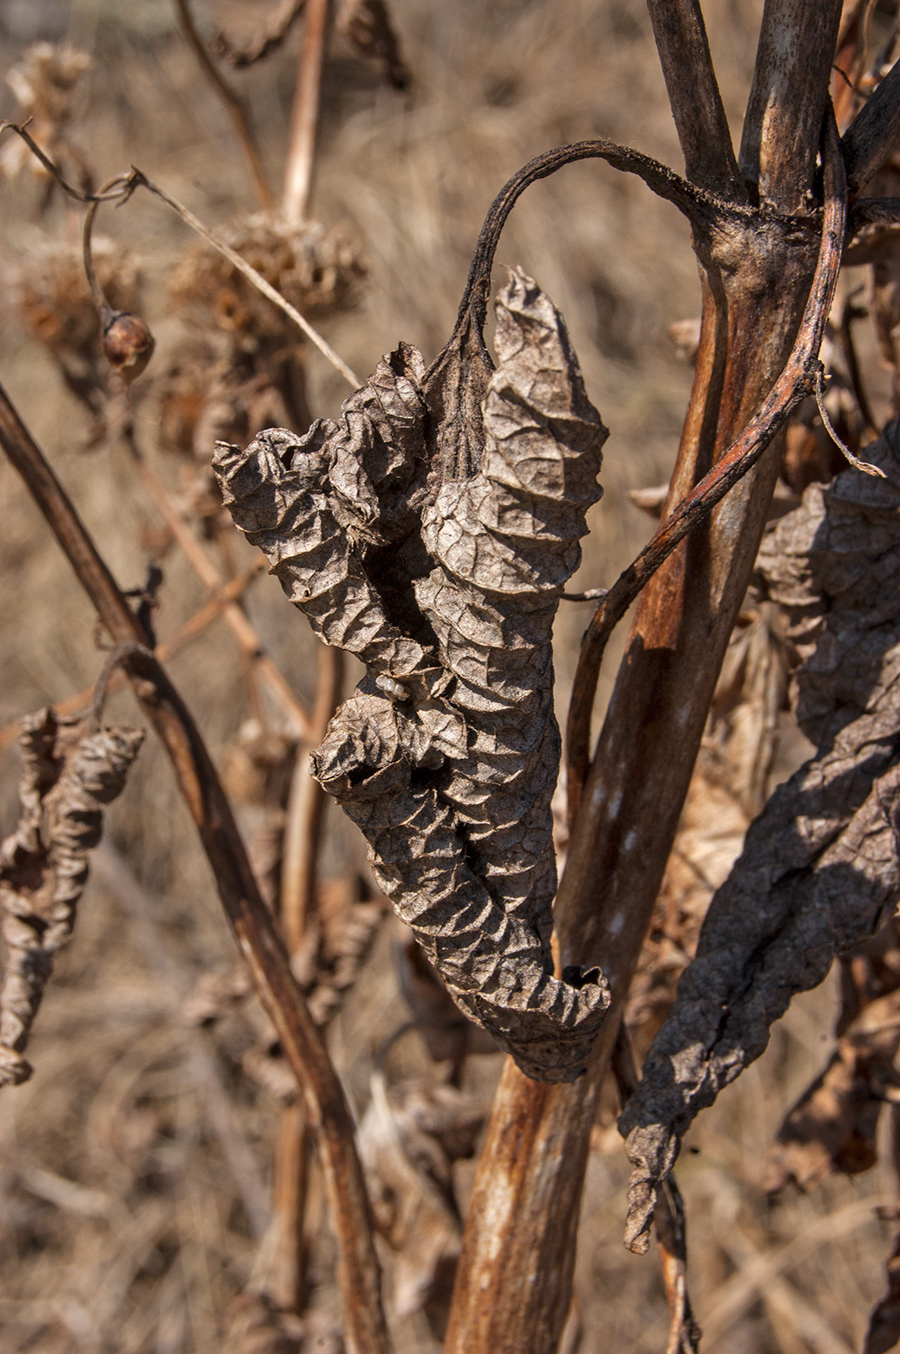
(305, 808)
(135, 179)
(232, 102)
(301, 156)
(232, 613)
(865, 466)
(326, 1105)
(191, 628)
(795, 382)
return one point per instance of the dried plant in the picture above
(69, 775)
(56, 305)
(448, 756)
(819, 870)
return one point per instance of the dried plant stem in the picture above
(514, 1275)
(287, 1267)
(298, 170)
(250, 643)
(800, 376)
(192, 627)
(234, 105)
(325, 1103)
(302, 836)
(305, 807)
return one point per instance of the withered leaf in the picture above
(430, 532)
(819, 870)
(68, 776)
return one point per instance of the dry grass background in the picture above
(135, 1166)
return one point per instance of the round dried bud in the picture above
(127, 345)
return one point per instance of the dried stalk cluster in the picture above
(68, 777)
(446, 587)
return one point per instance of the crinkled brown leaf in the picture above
(819, 870)
(430, 533)
(367, 24)
(68, 776)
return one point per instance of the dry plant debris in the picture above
(442, 573)
(367, 24)
(45, 83)
(833, 1125)
(409, 1138)
(819, 871)
(69, 774)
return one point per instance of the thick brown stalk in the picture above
(514, 1275)
(323, 1096)
(700, 119)
(784, 113)
(298, 171)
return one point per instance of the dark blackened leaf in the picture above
(433, 541)
(819, 870)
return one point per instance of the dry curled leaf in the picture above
(430, 533)
(819, 870)
(68, 776)
(367, 24)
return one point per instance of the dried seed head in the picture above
(44, 83)
(127, 345)
(54, 300)
(317, 270)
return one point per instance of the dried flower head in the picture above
(317, 270)
(54, 300)
(44, 83)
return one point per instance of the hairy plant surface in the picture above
(820, 869)
(64, 785)
(430, 533)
